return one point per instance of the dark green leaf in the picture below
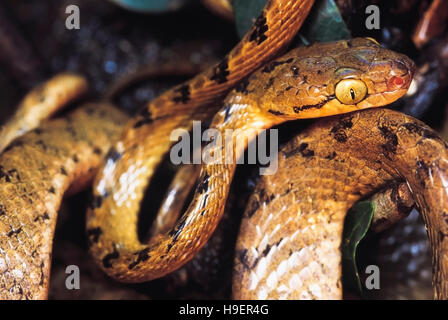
(151, 5)
(246, 12)
(325, 23)
(357, 223)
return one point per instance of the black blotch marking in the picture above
(349, 43)
(266, 250)
(14, 172)
(242, 256)
(107, 260)
(304, 151)
(64, 171)
(445, 216)
(338, 131)
(14, 144)
(391, 141)
(2, 211)
(331, 156)
(204, 203)
(319, 71)
(258, 35)
(278, 242)
(38, 131)
(263, 197)
(301, 149)
(226, 113)
(97, 150)
(113, 155)
(305, 79)
(5, 174)
(203, 186)
(42, 217)
(52, 190)
(275, 112)
(184, 92)
(75, 158)
(221, 72)
(242, 86)
(274, 64)
(141, 123)
(288, 190)
(93, 235)
(289, 88)
(96, 202)
(312, 106)
(142, 256)
(423, 132)
(176, 231)
(105, 194)
(145, 116)
(442, 236)
(42, 275)
(13, 232)
(270, 83)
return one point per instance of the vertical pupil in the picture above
(352, 93)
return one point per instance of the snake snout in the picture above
(401, 74)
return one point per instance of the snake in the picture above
(24, 268)
(315, 81)
(289, 245)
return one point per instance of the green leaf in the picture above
(324, 23)
(357, 223)
(246, 12)
(151, 5)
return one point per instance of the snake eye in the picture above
(350, 91)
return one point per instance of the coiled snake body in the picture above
(314, 187)
(374, 75)
(320, 80)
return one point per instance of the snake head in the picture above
(331, 78)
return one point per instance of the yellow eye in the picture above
(350, 91)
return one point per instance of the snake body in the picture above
(35, 171)
(290, 237)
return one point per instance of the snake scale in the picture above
(315, 186)
(315, 81)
